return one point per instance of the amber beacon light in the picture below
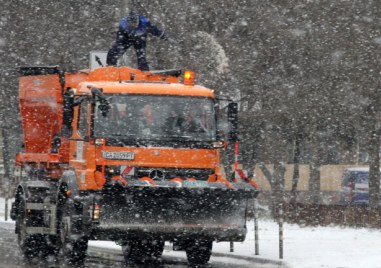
(189, 78)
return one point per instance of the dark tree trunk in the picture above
(374, 168)
(295, 174)
(314, 183)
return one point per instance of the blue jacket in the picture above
(145, 27)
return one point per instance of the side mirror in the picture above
(104, 106)
(233, 121)
(68, 113)
(70, 101)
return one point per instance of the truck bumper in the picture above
(169, 232)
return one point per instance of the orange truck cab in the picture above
(124, 155)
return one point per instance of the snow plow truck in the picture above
(123, 155)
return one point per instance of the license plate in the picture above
(195, 184)
(118, 155)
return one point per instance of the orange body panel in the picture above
(162, 157)
(72, 80)
(41, 111)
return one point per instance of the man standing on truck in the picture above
(133, 31)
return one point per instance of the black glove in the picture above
(170, 40)
(167, 38)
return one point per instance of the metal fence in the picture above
(321, 214)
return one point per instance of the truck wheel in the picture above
(36, 245)
(142, 250)
(27, 243)
(154, 249)
(73, 248)
(199, 251)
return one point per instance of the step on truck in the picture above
(123, 155)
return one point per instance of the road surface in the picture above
(102, 257)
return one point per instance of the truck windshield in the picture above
(156, 117)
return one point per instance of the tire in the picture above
(23, 239)
(29, 244)
(36, 245)
(142, 250)
(74, 250)
(199, 251)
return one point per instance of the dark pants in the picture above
(120, 46)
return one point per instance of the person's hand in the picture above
(171, 40)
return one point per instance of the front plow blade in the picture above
(211, 211)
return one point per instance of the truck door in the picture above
(79, 142)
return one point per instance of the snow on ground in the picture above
(304, 247)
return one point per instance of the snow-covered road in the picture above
(104, 254)
(108, 254)
(304, 247)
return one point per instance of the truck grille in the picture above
(169, 173)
